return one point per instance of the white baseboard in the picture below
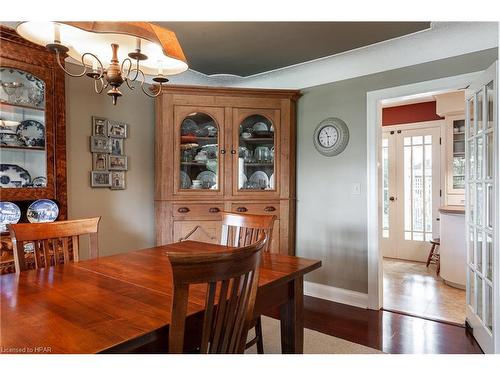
(330, 293)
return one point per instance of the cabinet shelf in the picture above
(22, 148)
(23, 106)
(257, 140)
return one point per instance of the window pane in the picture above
(479, 250)
(428, 139)
(479, 297)
(472, 158)
(472, 202)
(385, 187)
(417, 140)
(489, 206)
(490, 148)
(489, 112)
(479, 110)
(407, 186)
(489, 258)
(418, 188)
(428, 187)
(408, 236)
(472, 245)
(489, 308)
(472, 292)
(479, 204)
(479, 158)
(472, 126)
(385, 233)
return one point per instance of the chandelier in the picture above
(133, 49)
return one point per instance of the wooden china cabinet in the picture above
(224, 149)
(32, 129)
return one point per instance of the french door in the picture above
(482, 200)
(410, 186)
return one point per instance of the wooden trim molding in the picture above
(330, 293)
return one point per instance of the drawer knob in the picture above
(233, 152)
(269, 209)
(183, 210)
(242, 209)
(213, 210)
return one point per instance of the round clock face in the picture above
(331, 136)
(328, 136)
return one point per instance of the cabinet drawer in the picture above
(271, 208)
(198, 211)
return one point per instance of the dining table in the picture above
(122, 303)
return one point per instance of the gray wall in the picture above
(331, 222)
(127, 215)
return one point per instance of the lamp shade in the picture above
(159, 44)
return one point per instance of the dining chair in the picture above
(232, 279)
(52, 243)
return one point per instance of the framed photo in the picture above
(117, 163)
(99, 126)
(117, 129)
(100, 144)
(116, 146)
(117, 180)
(100, 179)
(99, 162)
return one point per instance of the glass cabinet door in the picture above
(23, 132)
(458, 154)
(257, 135)
(199, 139)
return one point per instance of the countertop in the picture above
(452, 210)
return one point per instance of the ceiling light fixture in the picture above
(142, 47)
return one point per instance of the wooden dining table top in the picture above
(93, 305)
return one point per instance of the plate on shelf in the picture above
(188, 127)
(13, 176)
(260, 127)
(10, 139)
(32, 133)
(42, 211)
(260, 179)
(10, 213)
(208, 178)
(185, 180)
(271, 182)
(39, 182)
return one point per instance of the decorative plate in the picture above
(185, 180)
(260, 178)
(39, 182)
(10, 139)
(10, 213)
(260, 127)
(32, 133)
(13, 176)
(208, 178)
(271, 182)
(188, 127)
(42, 211)
(212, 165)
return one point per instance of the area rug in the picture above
(314, 342)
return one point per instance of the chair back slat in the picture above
(240, 230)
(50, 241)
(232, 280)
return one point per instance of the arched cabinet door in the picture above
(256, 154)
(26, 132)
(200, 152)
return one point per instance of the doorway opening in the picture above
(421, 185)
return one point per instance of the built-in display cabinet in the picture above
(32, 129)
(452, 107)
(220, 149)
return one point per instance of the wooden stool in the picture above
(434, 257)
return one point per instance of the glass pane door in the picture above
(256, 154)
(22, 130)
(481, 185)
(199, 153)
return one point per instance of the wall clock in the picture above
(331, 136)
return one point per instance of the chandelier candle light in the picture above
(142, 47)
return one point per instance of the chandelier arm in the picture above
(58, 59)
(103, 86)
(152, 95)
(126, 76)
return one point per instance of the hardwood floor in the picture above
(387, 331)
(413, 288)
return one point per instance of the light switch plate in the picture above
(356, 188)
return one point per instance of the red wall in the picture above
(409, 113)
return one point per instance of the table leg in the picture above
(292, 319)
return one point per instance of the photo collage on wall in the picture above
(109, 161)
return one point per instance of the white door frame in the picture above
(374, 135)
